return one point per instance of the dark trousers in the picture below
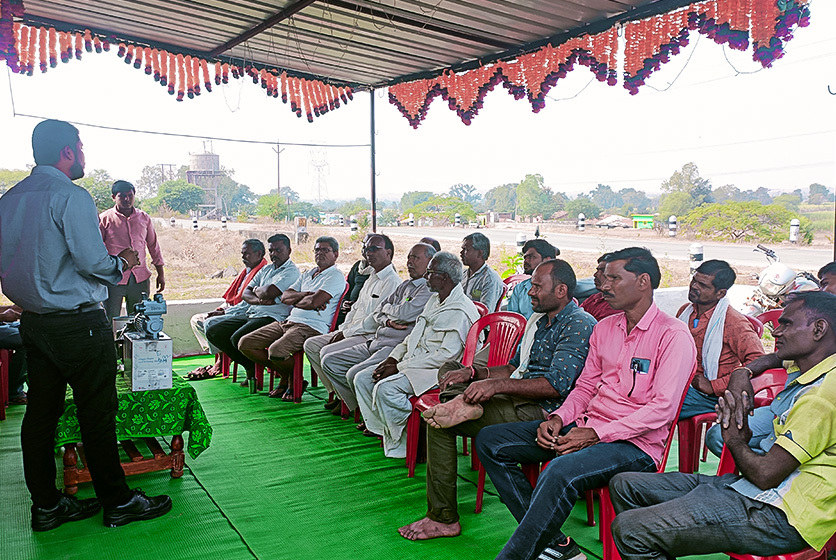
(542, 511)
(442, 465)
(227, 331)
(76, 349)
(676, 514)
(130, 292)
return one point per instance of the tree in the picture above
(676, 204)
(819, 194)
(180, 195)
(501, 199)
(99, 183)
(532, 198)
(688, 181)
(305, 209)
(606, 198)
(634, 202)
(272, 206)
(745, 221)
(465, 192)
(414, 198)
(582, 205)
(289, 195)
(355, 206)
(234, 196)
(790, 201)
(11, 177)
(726, 192)
(149, 181)
(444, 207)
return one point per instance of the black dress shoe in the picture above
(332, 405)
(139, 508)
(68, 508)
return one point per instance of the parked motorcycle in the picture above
(774, 283)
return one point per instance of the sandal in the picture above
(203, 372)
(22, 399)
(278, 392)
(288, 395)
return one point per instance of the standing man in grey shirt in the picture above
(481, 283)
(54, 265)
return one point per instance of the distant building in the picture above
(205, 172)
(643, 221)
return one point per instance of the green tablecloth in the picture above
(164, 412)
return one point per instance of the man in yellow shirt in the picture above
(784, 500)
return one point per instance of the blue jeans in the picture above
(696, 402)
(760, 424)
(542, 511)
(675, 514)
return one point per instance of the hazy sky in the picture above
(773, 128)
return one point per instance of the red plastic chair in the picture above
(5, 357)
(506, 329)
(298, 363)
(727, 466)
(770, 317)
(502, 297)
(515, 279)
(756, 324)
(482, 308)
(691, 436)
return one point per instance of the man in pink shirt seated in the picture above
(124, 226)
(616, 419)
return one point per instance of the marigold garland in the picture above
(766, 25)
(22, 45)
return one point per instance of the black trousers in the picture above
(226, 332)
(76, 349)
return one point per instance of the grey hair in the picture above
(480, 242)
(449, 264)
(428, 249)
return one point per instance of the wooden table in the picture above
(142, 418)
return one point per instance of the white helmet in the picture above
(776, 279)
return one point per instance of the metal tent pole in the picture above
(373, 171)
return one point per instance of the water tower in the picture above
(205, 172)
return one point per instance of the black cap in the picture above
(122, 186)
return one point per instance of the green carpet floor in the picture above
(279, 481)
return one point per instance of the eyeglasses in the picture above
(430, 272)
(371, 249)
(322, 250)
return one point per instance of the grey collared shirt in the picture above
(52, 256)
(484, 286)
(404, 305)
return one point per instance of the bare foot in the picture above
(452, 413)
(425, 528)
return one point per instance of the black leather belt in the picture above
(77, 311)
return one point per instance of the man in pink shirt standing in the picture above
(616, 419)
(124, 226)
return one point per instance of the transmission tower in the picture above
(319, 169)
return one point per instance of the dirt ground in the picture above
(192, 258)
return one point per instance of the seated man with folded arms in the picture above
(534, 252)
(395, 319)
(782, 501)
(252, 254)
(724, 337)
(378, 250)
(313, 298)
(617, 417)
(532, 385)
(261, 304)
(595, 304)
(481, 283)
(439, 335)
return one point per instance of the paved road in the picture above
(799, 258)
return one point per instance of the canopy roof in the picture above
(361, 43)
